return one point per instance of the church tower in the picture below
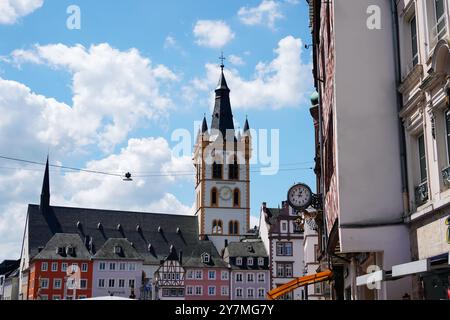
(222, 163)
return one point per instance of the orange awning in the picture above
(299, 282)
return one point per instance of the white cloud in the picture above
(212, 33)
(236, 60)
(267, 13)
(12, 10)
(170, 42)
(283, 82)
(113, 92)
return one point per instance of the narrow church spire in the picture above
(204, 125)
(246, 126)
(222, 118)
(45, 193)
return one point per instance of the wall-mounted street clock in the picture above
(299, 196)
(225, 193)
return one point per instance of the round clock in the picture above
(299, 196)
(225, 193)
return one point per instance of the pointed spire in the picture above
(204, 125)
(45, 193)
(246, 126)
(222, 118)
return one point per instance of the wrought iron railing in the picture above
(421, 193)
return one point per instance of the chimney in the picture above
(181, 257)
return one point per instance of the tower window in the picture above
(217, 171)
(236, 198)
(233, 170)
(214, 197)
(233, 227)
(217, 227)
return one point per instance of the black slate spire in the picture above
(246, 126)
(45, 193)
(222, 118)
(204, 125)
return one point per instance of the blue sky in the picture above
(110, 95)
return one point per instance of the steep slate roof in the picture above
(63, 240)
(8, 266)
(272, 215)
(43, 226)
(195, 259)
(222, 117)
(127, 251)
(247, 249)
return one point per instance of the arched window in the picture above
(217, 170)
(214, 202)
(217, 227)
(236, 198)
(233, 227)
(233, 170)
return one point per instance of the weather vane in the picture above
(222, 58)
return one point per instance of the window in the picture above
(414, 49)
(44, 283)
(198, 274)
(44, 266)
(189, 290)
(239, 292)
(54, 266)
(83, 283)
(217, 170)
(121, 283)
(250, 293)
(132, 267)
(74, 267)
(122, 266)
(250, 277)
(233, 227)
(224, 275)
(260, 262)
(236, 198)
(101, 283)
(57, 283)
(111, 283)
(56, 297)
(214, 202)
(261, 277)
(190, 274)
(224, 290)
(131, 283)
(64, 267)
(211, 291)
(217, 227)
(112, 266)
(198, 290)
(284, 270)
(82, 297)
(422, 159)
(44, 297)
(239, 261)
(102, 266)
(440, 12)
(261, 293)
(84, 267)
(284, 227)
(284, 248)
(238, 277)
(212, 275)
(233, 170)
(249, 261)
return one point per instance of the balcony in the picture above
(421, 193)
(446, 176)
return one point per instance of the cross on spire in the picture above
(222, 58)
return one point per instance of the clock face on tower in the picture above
(299, 196)
(225, 193)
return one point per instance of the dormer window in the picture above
(249, 261)
(205, 258)
(60, 251)
(117, 249)
(239, 261)
(260, 262)
(70, 251)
